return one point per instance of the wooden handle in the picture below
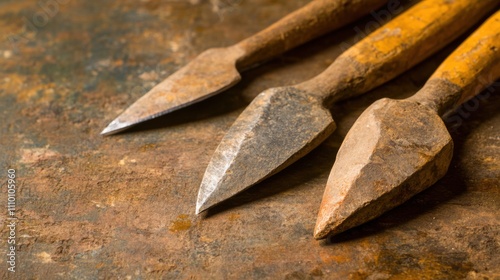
(467, 71)
(313, 20)
(397, 46)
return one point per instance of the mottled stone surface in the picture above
(122, 207)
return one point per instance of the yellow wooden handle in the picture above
(397, 46)
(474, 65)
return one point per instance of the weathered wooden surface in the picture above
(123, 206)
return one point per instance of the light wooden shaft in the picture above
(313, 20)
(467, 71)
(396, 47)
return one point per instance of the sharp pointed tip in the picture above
(114, 127)
(335, 214)
(319, 237)
(321, 230)
(203, 205)
(199, 209)
(107, 131)
(209, 195)
(201, 200)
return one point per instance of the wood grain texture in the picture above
(316, 18)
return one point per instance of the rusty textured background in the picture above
(122, 207)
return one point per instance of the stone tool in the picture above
(397, 148)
